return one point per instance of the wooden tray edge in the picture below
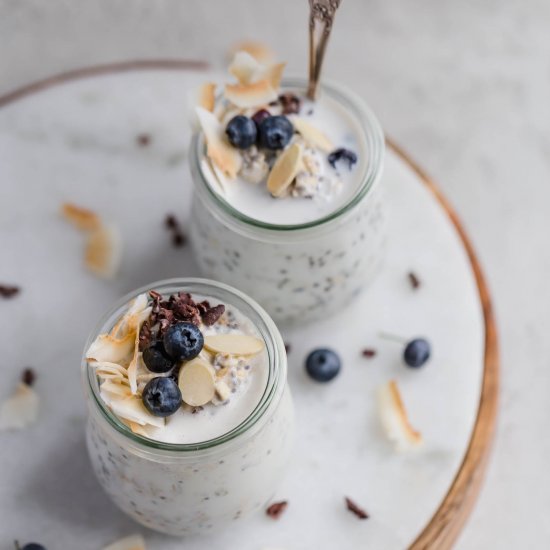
(447, 522)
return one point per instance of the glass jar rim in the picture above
(275, 350)
(372, 133)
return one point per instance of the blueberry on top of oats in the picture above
(241, 132)
(183, 341)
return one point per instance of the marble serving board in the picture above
(79, 141)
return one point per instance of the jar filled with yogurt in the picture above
(286, 202)
(190, 416)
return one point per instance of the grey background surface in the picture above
(463, 86)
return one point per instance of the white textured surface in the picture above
(463, 86)
(77, 142)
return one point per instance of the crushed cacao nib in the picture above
(211, 315)
(344, 155)
(368, 353)
(145, 336)
(291, 103)
(352, 507)
(28, 377)
(196, 410)
(414, 280)
(143, 140)
(178, 240)
(9, 291)
(276, 509)
(173, 225)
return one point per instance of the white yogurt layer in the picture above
(336, 186)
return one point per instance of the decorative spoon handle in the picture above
(321, 17)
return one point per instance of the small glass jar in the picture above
(296, 272)
(182, 489)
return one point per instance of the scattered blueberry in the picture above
(417, 352)
(183, 341)
(342, 154)
(33, 546)
(275, 132)
(161, 396)
(260, 116)
(323, 365)
(241, 132)
(156, 359)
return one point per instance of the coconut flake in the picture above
(133, 409)
(81, 218)
(273, 74)
(259, 51)
(394, 418)
(103, 252)
(105, 348)
(133, 542)
(254, 94)
(132, 368)
(20, 410)
(244, 67)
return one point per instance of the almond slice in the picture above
(244, 67)
(284, 170)
(20, 410)
(225, 157)
(250, 95)
(105, 348)
(311, 134)
(197, 382)
(222, 390)
(133, 542)
(133, 409)
(258, 50)
(394, 418)
(81, 218)
(102, 255)
(234, 344)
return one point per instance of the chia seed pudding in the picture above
(286, 201)
(190, 417)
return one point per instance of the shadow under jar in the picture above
(299, 272)
(195, 488)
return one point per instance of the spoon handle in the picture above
(321, 18)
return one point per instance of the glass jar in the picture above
(296, 272)
(182, 489)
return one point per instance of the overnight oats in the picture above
(190, 417)
(286, 200)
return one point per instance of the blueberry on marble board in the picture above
(323, 364)
(275, 132)
(161, 396)
(417, 352)
(183, 341)
(156, 359)
(241, 132)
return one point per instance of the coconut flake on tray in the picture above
(20, 410)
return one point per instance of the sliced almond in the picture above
(132, 408)
(222, 390)
(133, 542)
(197, 382)
(102, 254)
(311, 134)
(234, 344)
(20, 410)
(244, 67)
(105, 348)
(259, 51)
(225, 157)
(81, 218)
(284, 170)
(250, 95)
(394, 418)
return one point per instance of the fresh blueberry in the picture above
(342, 155)
(161, 396)
(259, 116)
(241, 132)
(183, 341)
(417, 352)
(33, 546)
(275, 132)
(156, 359)
(323, 365)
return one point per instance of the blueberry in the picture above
(183, 341)
(156, 359)
(241, 132)
(342, 155)
(323, 365)
(275, 132)
(33, 546)
(417, 352)
(161, 396)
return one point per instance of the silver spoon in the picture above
(321, 18)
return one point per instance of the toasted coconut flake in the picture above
(244, 67)
(136, 428)
(105, 348)
(394, 418)
(274, 74)
(132, 368)
(112, 387)
(284, 170)
(225, 157)
(132, 408)
(311, 134)
(20, 410)
(207, 96)
(133, 542)
(262, 53)
(106, 367)
(129, 320)
(250, 95)
(102, 255)
(81, 218)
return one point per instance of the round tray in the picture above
(78, 140)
